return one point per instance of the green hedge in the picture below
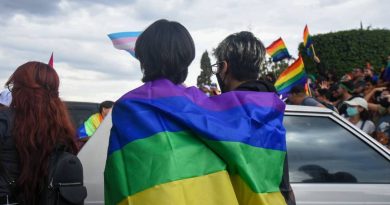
(344, 50)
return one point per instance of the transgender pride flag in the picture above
(125, 41)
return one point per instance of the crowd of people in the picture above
(35, 121)
(362, 96)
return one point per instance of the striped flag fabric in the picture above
(307, 40)
(125, 41)
(174, 145)
(278, 50)
(294, 75)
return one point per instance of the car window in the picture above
(320, 150)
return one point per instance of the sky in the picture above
(92, 70)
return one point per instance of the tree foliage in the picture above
(206, 72)
(344, 50)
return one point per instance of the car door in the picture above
(331, 162)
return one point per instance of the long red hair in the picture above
(41, 124)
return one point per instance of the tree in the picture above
(206, 72)
(344, 50)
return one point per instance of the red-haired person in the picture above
(31, 129)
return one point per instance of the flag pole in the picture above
(314, 52)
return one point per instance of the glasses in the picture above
(215, 67)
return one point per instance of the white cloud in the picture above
(92, 70)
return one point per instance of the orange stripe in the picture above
(275, 46)
(292, 67)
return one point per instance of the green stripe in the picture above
(161, 158)
(283, 50)
(290, 81)
(170, 156)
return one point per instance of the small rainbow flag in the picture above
(307, 40)
(125, 41)
(278, 50)
(174, 145)
(292, 76)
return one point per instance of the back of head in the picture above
(298, 90)
(41, 123)
(243, 53)
(105, 104)
(165, 50)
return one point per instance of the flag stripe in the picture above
(288, 76)
(192, 192)
(265, 130)
(280, 55)
(307, 40)
(210, 189)
(160, 89)
(170, 156)
(124, 40)
(298, 63)
(119, 35)
(289, 82)
(277, 50)
(301, 81)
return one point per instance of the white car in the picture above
(330, 160)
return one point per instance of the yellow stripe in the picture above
(285, 78)
(210, 189)
(247, 197)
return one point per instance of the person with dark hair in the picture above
(31, 129)
(88, 128)
(345, 90)
(357, 113)
(239, 57)
(172, 144)
(165, 57)
(298, 96)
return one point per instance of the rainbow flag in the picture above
(89, 127)
(292, 76)
(174, 145)
(125, 41)
(278, 50)
(307, 40)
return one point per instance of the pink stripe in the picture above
(124, 40)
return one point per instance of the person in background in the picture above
(298, 96)
(88, 128)
(357, 75)
(239, 57)
(345, 90)
(5, 98)
(357, 114)
(360, 86)
(35, 125)
(206, 90)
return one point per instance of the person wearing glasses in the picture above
(239, 57)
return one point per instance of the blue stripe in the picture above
(114, 36)
(280, 56)
(82, 132)
(250, 124)
(286, 90)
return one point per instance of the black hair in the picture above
(105, 104)
(165, 50)
(244, 54)
(298, 89)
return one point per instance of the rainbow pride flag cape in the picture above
(174, 145)
(278, 50)
(125, 41)
(292, 76)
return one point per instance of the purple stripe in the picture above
(124, 40)
(165, 88)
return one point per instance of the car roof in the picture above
(311, 109)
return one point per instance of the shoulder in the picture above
(310, 101)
